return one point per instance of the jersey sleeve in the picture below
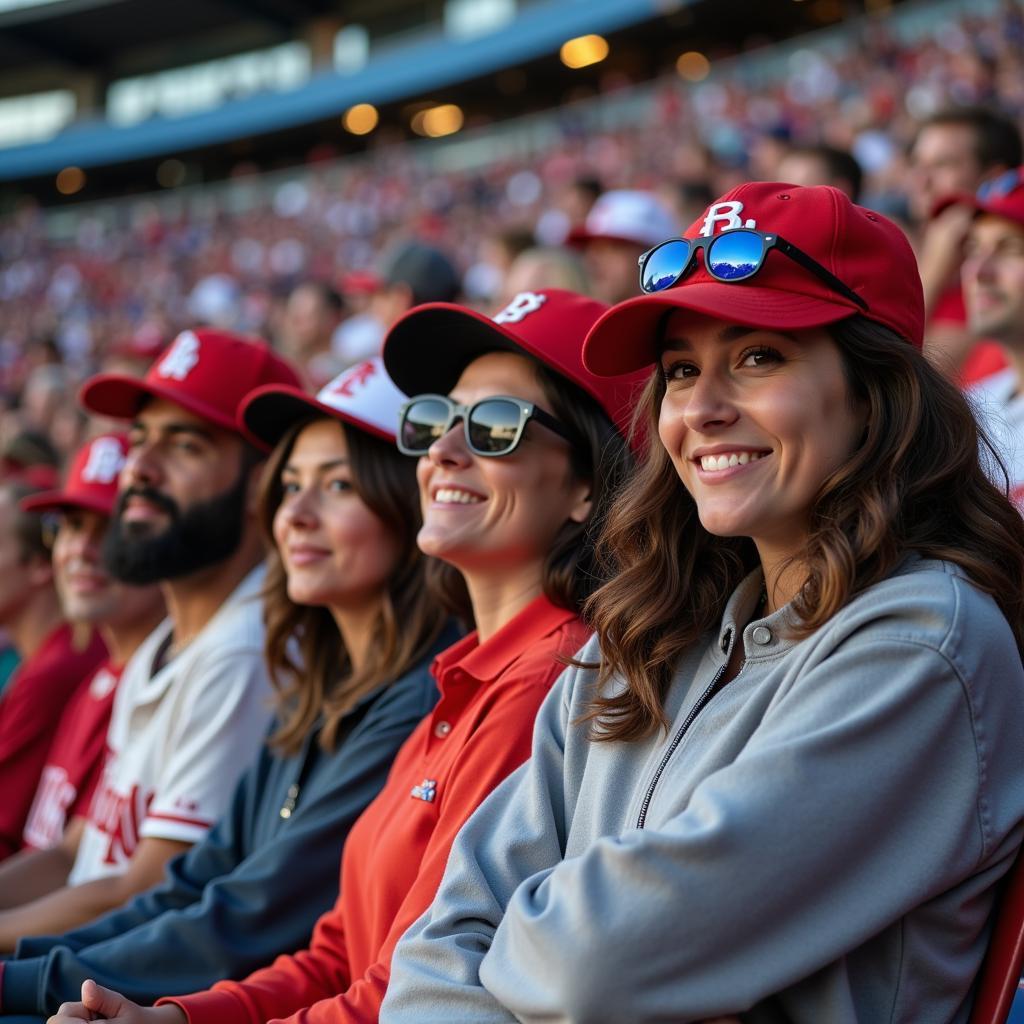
(215, 738)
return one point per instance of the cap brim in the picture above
(58, 501)
(992, 208)
(269, 412)
(120, 397)
(417, 366)
(626, 337)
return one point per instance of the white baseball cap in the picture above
(363, 396)
(627, 215)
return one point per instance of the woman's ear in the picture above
(582, 502)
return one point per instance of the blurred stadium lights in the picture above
(361, 119)
(436, 122)
(693, 66)
(70, 180)
(583, 51)
(171, 173)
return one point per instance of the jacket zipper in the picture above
(702, 700)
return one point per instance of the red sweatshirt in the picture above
(30, 712)
(479, 732)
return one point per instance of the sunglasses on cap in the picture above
(1000, 186)
(494, 426)
(731, 256)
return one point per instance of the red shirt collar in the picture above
(487, 661)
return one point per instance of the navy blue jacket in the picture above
(253, 888)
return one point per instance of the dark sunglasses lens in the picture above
(664, 265)
(493, 425)
(423, 423)
(734, 255)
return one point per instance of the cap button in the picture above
(783, 195)
(762, 635)
(442, 729)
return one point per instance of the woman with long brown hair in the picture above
(785, 777)
(350, 636)
(518, 450)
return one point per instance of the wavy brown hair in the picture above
(917, 483)
(601, 457)
(309, 665)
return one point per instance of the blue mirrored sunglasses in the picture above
(729, 257)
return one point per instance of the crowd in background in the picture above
(134, 272)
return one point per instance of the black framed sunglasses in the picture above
(494, 426)
(731, 256)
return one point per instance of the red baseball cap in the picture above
(363, 396)
(1002, 196)
(865, 250)
(206, 371)
(429, 347)
(91, 482)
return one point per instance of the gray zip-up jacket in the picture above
(815, 842)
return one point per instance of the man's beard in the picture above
(205, 534)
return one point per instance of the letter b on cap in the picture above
(104, 462)
(520, 307)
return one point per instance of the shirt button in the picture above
(762, 635)
(442, 729)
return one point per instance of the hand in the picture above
(941, 250)
(99, 1003)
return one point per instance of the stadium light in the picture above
(693, 66)
(170, 173)
(583, 51)
(70, 180)
(360, 119)
(437, 121)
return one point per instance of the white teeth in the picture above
(451, 496)
(715, 463)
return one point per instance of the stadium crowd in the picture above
(415, 582)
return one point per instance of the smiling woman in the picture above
(784, 777)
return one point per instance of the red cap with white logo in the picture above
(363, 396)
(205, 371)
(867, 252)
(91, 482)
(429, 347)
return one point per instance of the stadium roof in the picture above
(98, 34)
(430, 62)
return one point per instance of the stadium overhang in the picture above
(402, 72)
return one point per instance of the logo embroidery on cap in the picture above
(357, 377)
(181, 358)
(104, 462)
(727, 214)
(426, 791)
(521, 306)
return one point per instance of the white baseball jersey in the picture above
(180, 737)
(999, 407)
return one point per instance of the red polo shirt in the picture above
(479, 732)
(30, 712)
(75, 760)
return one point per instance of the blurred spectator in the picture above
(408, 274)
(54, 660)
(954, 152)
(993, 281)
(311, 316)
(621, 225)
(822, 165)
(544, 267)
